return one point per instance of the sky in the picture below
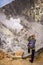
(4, 2)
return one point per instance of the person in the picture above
(31, 45)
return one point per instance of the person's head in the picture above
(33, 36)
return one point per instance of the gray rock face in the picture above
(15, 43)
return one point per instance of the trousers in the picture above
(32, 55)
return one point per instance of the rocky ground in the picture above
(5, 59)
